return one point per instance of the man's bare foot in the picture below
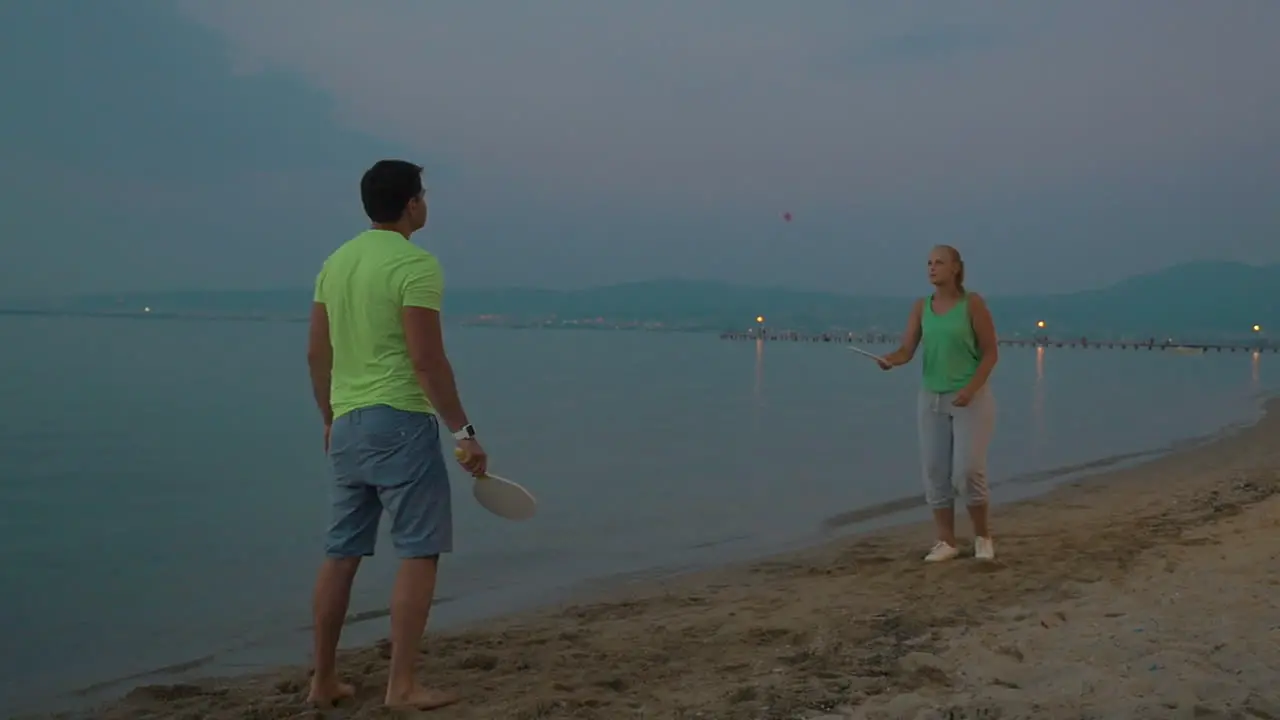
(420, 698)
(328, 694)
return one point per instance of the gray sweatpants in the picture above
(953, 446)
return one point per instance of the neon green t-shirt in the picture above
(364, 285)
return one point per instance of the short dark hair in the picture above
(387, 188)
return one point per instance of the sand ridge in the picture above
(1146, 592)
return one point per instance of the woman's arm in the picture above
(910, 338)
(984, 329)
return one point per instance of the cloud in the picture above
(216, 143)
(717, 100)
(928, 43)
(127, 134)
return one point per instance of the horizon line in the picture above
(707, 282)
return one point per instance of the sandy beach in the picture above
(1149, 592)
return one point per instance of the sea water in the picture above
(163, 489)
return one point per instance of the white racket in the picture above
(868, 353)
(500, 496)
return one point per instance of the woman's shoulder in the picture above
(975, 301)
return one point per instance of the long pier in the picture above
(1259, 345)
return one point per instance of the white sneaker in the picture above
(984, 548)
(941, 551)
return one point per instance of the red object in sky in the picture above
(786, 216)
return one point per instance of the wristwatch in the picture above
(467, 432)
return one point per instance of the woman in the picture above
(956, 410)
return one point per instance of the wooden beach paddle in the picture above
(505, 498)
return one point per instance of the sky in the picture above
(218, 144)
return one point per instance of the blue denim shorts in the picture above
(389, 459)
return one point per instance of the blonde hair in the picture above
(959, 261)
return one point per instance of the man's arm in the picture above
(910, 338)
(422, 292)
(425, 340)
(320, 360)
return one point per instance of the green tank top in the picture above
(951, 354)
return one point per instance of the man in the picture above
(381, 379)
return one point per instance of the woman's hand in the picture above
(963, 397)
(892, 360)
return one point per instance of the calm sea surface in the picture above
(163, 491)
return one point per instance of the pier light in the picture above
(1040, 324)
(1257, 328)
(760, 319)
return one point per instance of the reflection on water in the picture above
(757, 390)
(759, 369)
(1255, 378)
(1037, 403)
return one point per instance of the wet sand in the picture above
(1148, 592)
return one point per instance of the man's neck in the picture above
(395, 228)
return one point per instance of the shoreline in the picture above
(1196, 342)
(221, 663)
(806, 631)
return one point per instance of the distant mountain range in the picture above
(1204, 300)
